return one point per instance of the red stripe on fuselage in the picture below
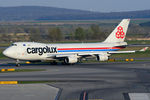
(89, 48)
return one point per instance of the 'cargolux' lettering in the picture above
(29, 50)
(41, 50)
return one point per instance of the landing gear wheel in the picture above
(80, 60)
(65, 62)
(17, 63)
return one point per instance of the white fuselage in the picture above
(41, 51)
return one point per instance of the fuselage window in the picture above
(13, 44)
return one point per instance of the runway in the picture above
(107, 81)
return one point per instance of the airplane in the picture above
(70, 53)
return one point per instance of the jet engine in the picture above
(102, 57)
(71, 60)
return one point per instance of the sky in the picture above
(91, 5)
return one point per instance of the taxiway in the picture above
(107, 81)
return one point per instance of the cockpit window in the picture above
(13, 44)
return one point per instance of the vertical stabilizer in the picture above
(119, 33)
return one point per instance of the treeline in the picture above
(56, 33)
(51, 34)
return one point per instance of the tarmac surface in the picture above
(107, 81)
(28, 92)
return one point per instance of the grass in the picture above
(114, 60)
(87, 41)
(1, 55)
(132, 55)
(4, 44)
(29, 70)
(34, 82)
(25, 70)
(138, 42)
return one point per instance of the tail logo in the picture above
(120, 33)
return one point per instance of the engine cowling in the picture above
(71, 60)
(102, 57)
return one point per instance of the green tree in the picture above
(80, 34)
(35, 34)
(55, 34)
(97, 33)
(89, 34)
(5, 38)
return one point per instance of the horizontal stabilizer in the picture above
(144, 49)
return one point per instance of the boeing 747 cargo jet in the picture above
(70, 53)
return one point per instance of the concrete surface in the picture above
(28, 92)
(139, 96)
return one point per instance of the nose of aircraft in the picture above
(5, 52)
(10, 52)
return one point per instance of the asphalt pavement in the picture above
(107, 81)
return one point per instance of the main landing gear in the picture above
(53, 63)
(17, 63)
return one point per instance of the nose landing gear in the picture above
(17, 63)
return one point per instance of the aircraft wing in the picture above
(74, 54)
(78, 55)
(85, 54)
(65, 55)
(116, 52)
(133, 51)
